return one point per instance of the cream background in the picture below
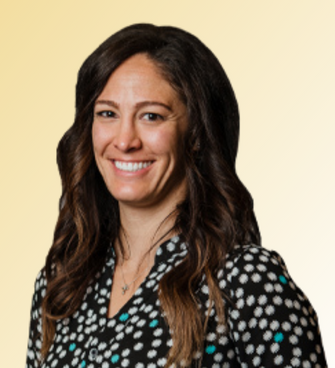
(280, 58)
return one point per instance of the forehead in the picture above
(138, 63)
(140, 77)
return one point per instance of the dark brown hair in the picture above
(216, 214)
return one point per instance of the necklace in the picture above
(126, 285)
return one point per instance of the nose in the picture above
(127, 138)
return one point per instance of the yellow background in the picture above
(279, 56)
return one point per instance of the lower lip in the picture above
(131, 173)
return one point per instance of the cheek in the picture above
(164, 142)
(100, 142)
(99, 139)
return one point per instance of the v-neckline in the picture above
(141, 290)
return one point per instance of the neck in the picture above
(143, 230)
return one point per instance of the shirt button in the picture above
(93, 353)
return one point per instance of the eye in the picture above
(106, 114)
(150, 116)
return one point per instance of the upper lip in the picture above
(128, 160)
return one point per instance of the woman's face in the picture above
(138, 129)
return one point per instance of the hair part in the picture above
(216, 214)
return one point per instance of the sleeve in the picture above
(270, 320)
(35, 330)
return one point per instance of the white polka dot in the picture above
(270, 310)
(268, 288)
(251, 300)
(158, 332)
(239, 293)
(138, 346)
(241, 326)
(293, 339)
(161, 362)
(240, 303)
(248, 257)
(249, 349)
(278, 360)
(211, 336)
(256, 361)
(152, 353)
(267, 335)
(252, 323)
(274, 348)
(278, 288)
(243, 278)
(218, 357)
(246, 337)
(231, 354)
(141, 323)
(258, 311)
(249, 267)
(313, 357)
(274, 325)
(156, 343)
(310, 335)
(262, 300)
(293, 318)
(263, 323)
(260, 349)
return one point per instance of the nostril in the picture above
(127, 144)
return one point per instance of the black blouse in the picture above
(270, 322)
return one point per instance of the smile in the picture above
(132, 166)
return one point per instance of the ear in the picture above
(196, 146)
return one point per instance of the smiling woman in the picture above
(156, 259)
(138, 132)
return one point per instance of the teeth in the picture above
(132, 166)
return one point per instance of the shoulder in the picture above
(270, 319)
(39, 293)
(255, 264)
(252, 253)
(257, 279)
(40, 282)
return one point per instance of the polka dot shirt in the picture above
(270, 323)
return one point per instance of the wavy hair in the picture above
(216, 214)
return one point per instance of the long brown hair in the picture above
(216, 214)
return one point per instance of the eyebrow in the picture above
(138, 105)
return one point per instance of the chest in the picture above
(137, 335)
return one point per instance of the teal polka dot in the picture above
(115, 358)
(210, 349)
(83, 364)
(279, 337)
(282, 279)
(72, 347)
(124, 317)
(153, 323)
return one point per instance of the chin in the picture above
(128, 197)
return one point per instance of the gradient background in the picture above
(280, 58)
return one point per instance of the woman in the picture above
(153, 262)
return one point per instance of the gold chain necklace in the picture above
(126, 285)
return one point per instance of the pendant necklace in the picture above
(126, 285)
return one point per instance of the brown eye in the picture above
(152, 116)
(106, 114)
